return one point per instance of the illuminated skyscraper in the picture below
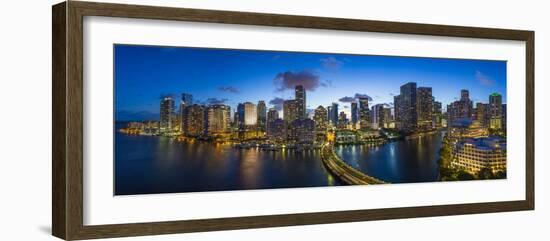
(250, 115)
(302, 131)
(276, 130)
(320, 118)
(482, 114)
(334, 114)
(166, 114)
(364, 113)
(272, 115)
(218, 119)
(186, 100)
(354, 114)
(329, 115)
(300, 97)
(378, 116)
(240, 116)
(195, 120)
(387, 117)
(397, 111)
(408, 106)
(438, 114)
(495, 109)
(262, 116)
(460, 109)
(425, 107)
(290, 111)
(342, 120)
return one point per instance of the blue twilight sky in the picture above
(143, 74)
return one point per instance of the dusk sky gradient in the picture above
(145, 73)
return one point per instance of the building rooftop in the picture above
(485, 143)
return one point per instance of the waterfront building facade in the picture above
(475, 154)
(218, 119)
(166, 115)
(195, 120)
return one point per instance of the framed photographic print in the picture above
(171, 120)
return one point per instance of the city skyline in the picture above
(221, 76)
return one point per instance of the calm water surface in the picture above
(404, 161)
(152, 164)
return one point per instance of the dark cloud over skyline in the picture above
(289, 80)
(277, 103)
(229, 89)
(216, 101)
(331, 63)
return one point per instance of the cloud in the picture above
(289, 80)
(484, 79)
(229, 89)
(277, 103)
(357, 96)
(347, 99)
(216, 101)
(392, 94)
(331, 63)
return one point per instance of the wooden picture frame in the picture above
(67, 150)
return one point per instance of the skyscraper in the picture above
(250, 115)
(342, 120)
(166, 114)
(354, 114)
(482, 114)
(272, 115)
(300, 97)
(290, 111)
(186, 100)
(320, 118)
(438, 114)
(334, 114)
(495, 109)
(504, 124)
(460, 109)
(276, 130)
(425, 107)
(397, 111)
(195, 120)
(364, 113)
(218, 119)
(302, 131)
(378, 116)
(262, 116)
(408, 107)
(240, 117)
(329, 115)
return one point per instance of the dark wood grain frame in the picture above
(67, 157)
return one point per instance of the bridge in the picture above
(342, 170)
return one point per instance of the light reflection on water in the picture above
(148, 164)
(403, 161)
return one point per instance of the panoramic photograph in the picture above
(190, 119)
